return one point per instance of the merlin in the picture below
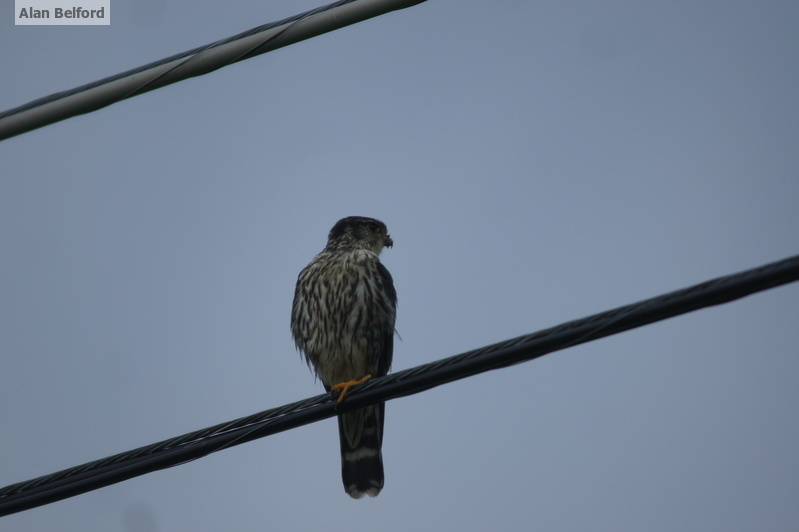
(342, 320)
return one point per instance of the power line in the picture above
(202, 60)
(175, 451)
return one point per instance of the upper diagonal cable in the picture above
(202, 60)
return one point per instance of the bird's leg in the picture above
(345, 386)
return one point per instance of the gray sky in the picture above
(535, 162)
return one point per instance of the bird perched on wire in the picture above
(342, 320)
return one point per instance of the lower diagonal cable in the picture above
(175, 451)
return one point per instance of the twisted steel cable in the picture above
(201, 60)
(175, 451)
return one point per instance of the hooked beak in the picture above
(387, 241)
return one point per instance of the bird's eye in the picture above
(376, 228)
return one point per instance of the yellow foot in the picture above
(345, 386)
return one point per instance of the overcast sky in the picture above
(535, 162)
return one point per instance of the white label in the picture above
(62, 12)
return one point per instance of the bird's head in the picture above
(360, 232)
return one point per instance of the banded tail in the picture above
(361, 435)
